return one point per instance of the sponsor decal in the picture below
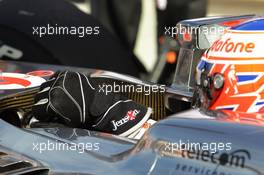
(230, 46)
(204, 162)
(10, 52)
(131, 115)
(9, 81)
(240, 48)
(236, 159)
(41, 73)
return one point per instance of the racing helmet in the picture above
(230, 74)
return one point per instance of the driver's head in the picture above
(230, 75)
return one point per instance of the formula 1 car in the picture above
(191, 142)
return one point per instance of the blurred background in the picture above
(132, 36)
(146, 49)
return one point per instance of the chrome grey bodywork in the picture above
(156, 153)
(153, 154)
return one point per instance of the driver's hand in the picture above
(66, 96)
(74, 99)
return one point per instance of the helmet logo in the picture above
(232, 81)
(230, 46)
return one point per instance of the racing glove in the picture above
(75, 100)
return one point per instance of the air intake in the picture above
(19, 165)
